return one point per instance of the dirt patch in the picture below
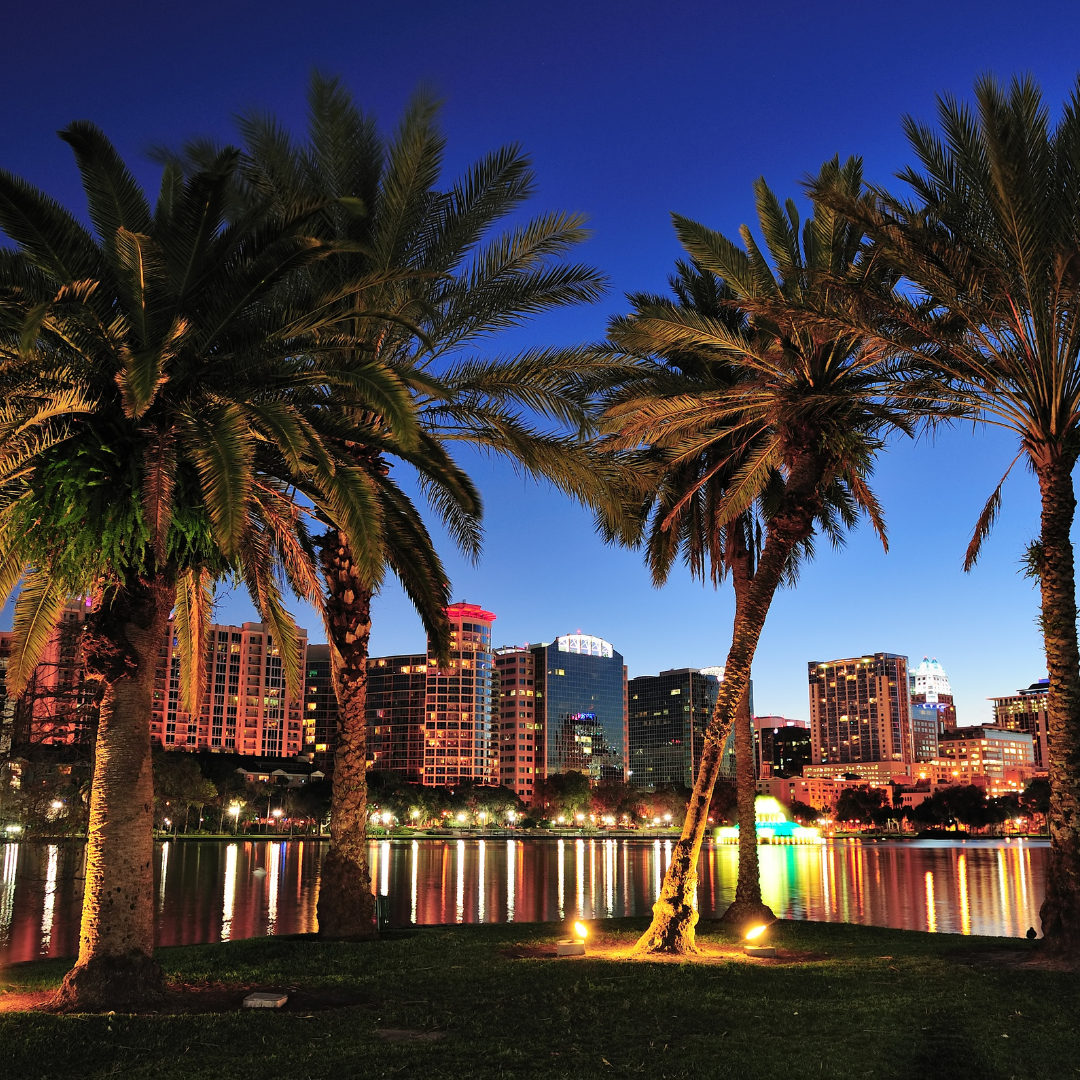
(207, 997)
(708, 954)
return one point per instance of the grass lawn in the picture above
(876, 1003)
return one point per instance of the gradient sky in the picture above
(630, 110)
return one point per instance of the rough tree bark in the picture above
(747, 909)
(1060, 912)
(675, 913)
(116, 969)
(346, 907)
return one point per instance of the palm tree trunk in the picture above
(346, 906)
(675, 913)
(748, 909)
(1060, 912)
(116, 968)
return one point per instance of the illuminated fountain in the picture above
(773, 826)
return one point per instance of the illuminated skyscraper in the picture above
(859, 709)
(430, 724)
(580, 715)
(247, 709)
(396, 714)
(929, 686)
(517, 720)
(1026, 711)
(668, 716)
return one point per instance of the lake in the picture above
(214, 891)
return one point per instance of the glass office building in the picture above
(669, 713)
(581, 707)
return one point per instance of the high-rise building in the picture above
(247, 709)
(1026, 711)
(59, 705)
(397, 703)
(668, 715)
(518, 722)
(859, 709)
(431, 724)
(783, 746)
(581, 707)
(929, 685)
(320, 708)
(459, 744)
(926, 731)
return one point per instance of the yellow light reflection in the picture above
(50, 897)
(481, 910)
(580, 861)
(412, 876)
(273, 881)
(931, 911)
(164, 874)
(230, 892)
(511, 878)
(965, 906)
(562, 878)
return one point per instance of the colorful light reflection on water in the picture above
(208, 891)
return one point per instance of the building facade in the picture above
(397, 714)
(59, 706)
(459, 744)
(668, 715)
(1026, 711)
(581, 707)
(519, 723)
(987, 750)
(783, 746)
(247, 708)
(860, 709)
(320, 707)
(930, 687)
(925, 731)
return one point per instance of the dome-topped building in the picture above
(930, 686)
(930, 678)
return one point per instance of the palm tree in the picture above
(432, 282)
(158, 397)
(989, 241)
(805, 405)
(681, 510)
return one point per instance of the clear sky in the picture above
(630, 110)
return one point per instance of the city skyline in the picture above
(582, 103)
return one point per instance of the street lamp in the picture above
(234, 813)
(276, 814)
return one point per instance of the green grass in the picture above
(882, 1004)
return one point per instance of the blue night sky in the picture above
(630, 110)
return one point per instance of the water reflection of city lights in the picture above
(931, 908)
(49, 909)
(962, 886)
(229, 894)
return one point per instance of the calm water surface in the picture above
(209, 891)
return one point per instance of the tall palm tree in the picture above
(681, 509)
(989, 241)
(433, 282)
(809, 405)
(159, 395)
